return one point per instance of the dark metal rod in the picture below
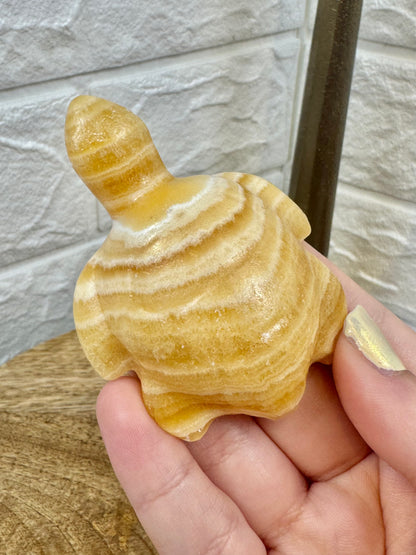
(324, 111)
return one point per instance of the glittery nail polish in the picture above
(369, 339)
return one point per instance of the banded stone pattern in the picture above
(202, 287)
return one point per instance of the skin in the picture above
(335, 476)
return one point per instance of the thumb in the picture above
(377, 386)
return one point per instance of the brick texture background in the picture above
(219, 85)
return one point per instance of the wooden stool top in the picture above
(58, 492)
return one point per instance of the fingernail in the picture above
(368, 337)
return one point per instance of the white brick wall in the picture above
(374, 229)
(218, 84)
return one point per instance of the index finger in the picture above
(381, 404)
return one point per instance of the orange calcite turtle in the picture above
(202, 287)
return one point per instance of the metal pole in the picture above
(324, 111)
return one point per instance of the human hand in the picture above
(337, 475)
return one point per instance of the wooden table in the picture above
(58, 493)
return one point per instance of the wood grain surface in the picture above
(58, 493)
